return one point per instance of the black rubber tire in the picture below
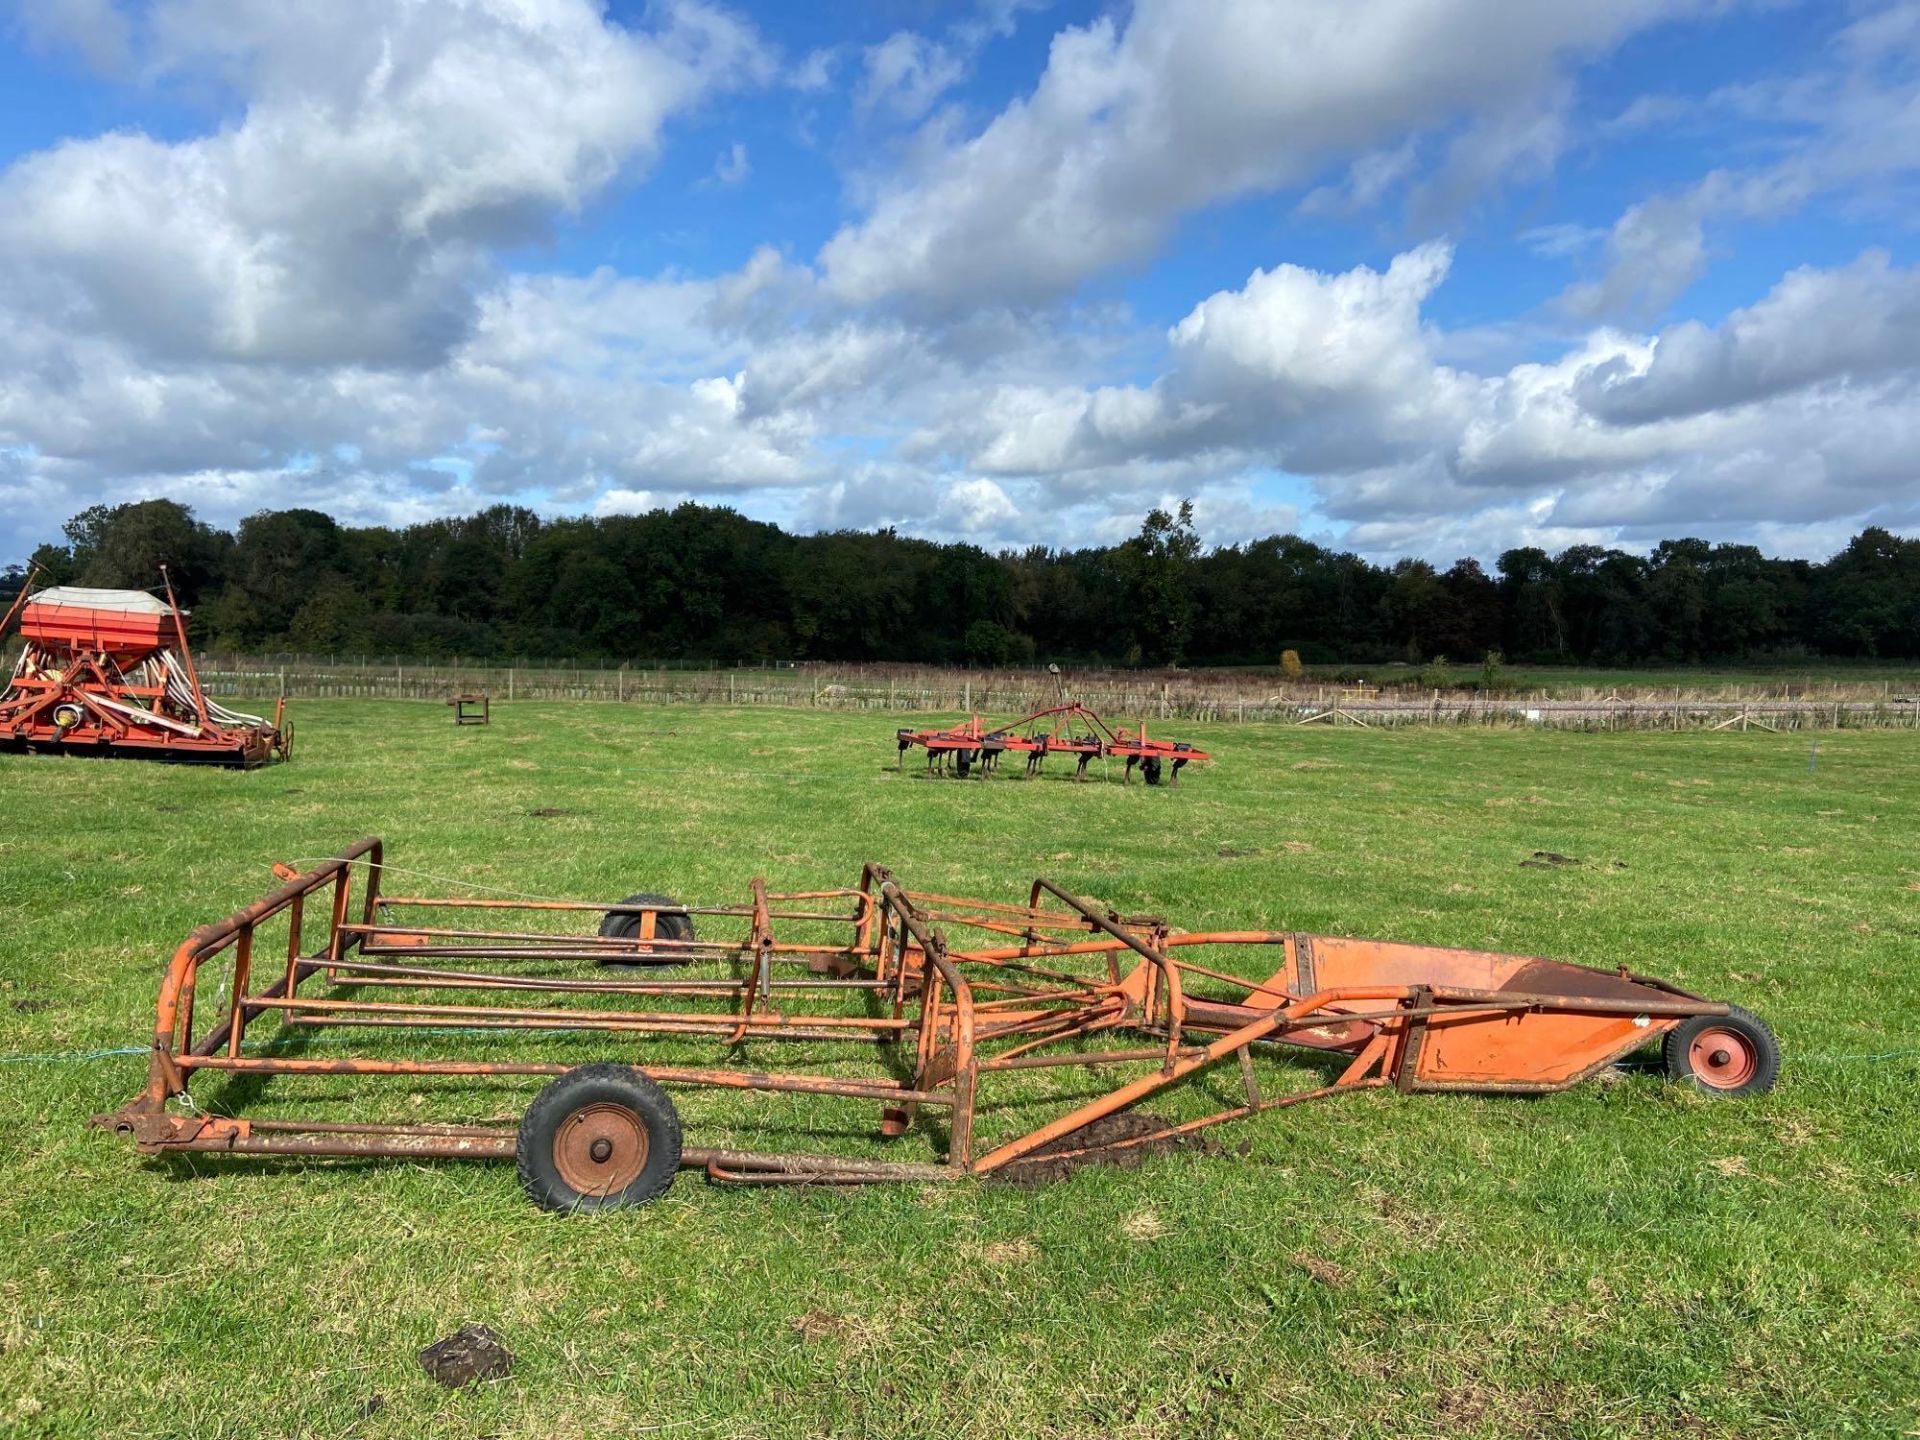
(615, 926)
(1676, 1048)
(962, 762)
(1150, 768)
(587, 1085)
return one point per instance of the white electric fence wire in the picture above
(390, 869)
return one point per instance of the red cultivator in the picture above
(943, 1012)
(1070, 729)
(108, 672)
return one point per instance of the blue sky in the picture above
(1427, 277)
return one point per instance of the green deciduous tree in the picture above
(1158, 563)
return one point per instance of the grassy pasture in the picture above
(1622, 1259)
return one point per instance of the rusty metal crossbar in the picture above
(1058, 982)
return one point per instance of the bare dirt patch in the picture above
(1553, 860)
(1549, 860)
(820, 1325)
(1334, 1277)
(471, 1353)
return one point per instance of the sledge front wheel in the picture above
(1734, 1054)
(599, 1137)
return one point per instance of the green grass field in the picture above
(1623, 1259)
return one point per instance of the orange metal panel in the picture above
(1526, 1049)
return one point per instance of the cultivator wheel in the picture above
(1732, 1054)
(668, 924)
(598, 1138)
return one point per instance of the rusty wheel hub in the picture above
(1723, 1058)
(600, 1149)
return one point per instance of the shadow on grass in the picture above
(207, 1165)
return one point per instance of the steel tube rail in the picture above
(571, 1019)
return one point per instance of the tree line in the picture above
(705, 583)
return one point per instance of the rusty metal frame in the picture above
(1058, 981)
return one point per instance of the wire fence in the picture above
(1205, 695)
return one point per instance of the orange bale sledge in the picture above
(934, 1008)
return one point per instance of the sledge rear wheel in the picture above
(618, 926)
